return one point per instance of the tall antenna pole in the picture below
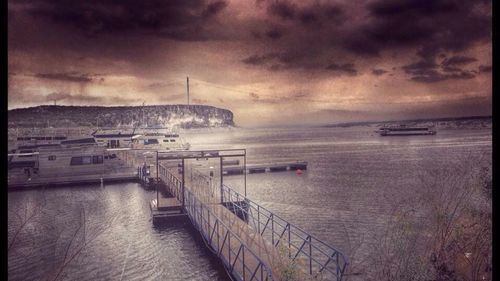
(187, 78)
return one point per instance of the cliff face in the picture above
(177, 116)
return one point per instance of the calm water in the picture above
(353, 180)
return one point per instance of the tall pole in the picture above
(183, 185)
(187, 79)
(157, 183)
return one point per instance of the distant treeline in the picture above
(430, 120)
(180, 116)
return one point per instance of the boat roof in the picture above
(114, 133)
(37, 146)
(80, 141)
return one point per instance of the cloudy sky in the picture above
(270, 62)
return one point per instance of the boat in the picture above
(137, 138)
(68, 158)
(404, 130)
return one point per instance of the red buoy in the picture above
(298, 171)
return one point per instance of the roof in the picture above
(37, 145)
(114, 135)
(79, 141)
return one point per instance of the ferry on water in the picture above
(403, 130)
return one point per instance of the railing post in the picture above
(221, 181)
(183, 188)
(310, 254)
(289, 242)
(258, 218)
(157, 183)
(243, 263)
(229, 245)
(337, 267)
(272, 228)
(245, 171)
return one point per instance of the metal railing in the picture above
(309, 254)
(240, 260)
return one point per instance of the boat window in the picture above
(52, 157)
(97, 159)
(150, 141)
(165, 140)
(76, 161)
(86, 160)
(172, 140)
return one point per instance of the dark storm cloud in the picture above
(431, 25)
(428, 27)
(379, 71)
(177, 19)
(427, 71)
(485, 68)
(431, 76)
(68, 77)
(260, 59)
(274, 33)
(309, 15)
(458, 60)
(76, 98)
(346, 68)
(282, 61)
(282, 9)
(419, 66)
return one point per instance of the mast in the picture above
(187, 79)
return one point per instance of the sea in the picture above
(353, 182)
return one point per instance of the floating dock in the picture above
(265, 168)
(24, 182)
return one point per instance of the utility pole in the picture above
(187, 78)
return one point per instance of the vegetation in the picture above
(183, 116)
(442, 234)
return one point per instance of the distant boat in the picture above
(403, 130)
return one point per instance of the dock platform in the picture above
(265, 168)
(169, 210)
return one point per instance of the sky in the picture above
(269, 62)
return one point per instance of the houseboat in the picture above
(68, 158)
(151, 138)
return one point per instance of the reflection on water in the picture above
(353, 179)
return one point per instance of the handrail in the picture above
(320, 255)
(275, 220)
(192, 207)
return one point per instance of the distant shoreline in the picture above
(432, 120)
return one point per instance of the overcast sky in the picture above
(270, 62)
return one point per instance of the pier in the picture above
(252, 242)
